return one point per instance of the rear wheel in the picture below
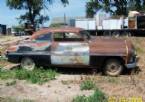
(27, 63)
(113, 67)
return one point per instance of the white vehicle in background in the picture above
(102, 24)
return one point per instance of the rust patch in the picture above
(107, 46)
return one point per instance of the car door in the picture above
(68, 49)
(41, 49)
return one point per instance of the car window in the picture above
(85, 34)
(44, 37)
(67, 36)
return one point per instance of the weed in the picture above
(112, 80)
(11, 83)
(87, 85)
(139, 49)
(98, 96)
(36, 76)
(67, 82)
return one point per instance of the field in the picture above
(66, 85)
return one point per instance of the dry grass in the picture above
(128, 86)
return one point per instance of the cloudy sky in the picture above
(75, 8)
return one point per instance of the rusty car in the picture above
(73, 47)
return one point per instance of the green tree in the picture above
(138, 5)
(33, 10)
(116, 7)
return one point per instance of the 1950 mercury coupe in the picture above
(73, 47)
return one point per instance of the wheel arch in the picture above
(119, 58)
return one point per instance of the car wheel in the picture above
(113, 67)
(27, 63)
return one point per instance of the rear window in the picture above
(44, 37)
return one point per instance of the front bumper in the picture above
(11, 57)
(133, 64)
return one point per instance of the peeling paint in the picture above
(70, 53)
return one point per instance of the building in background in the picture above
(9, 31)
(3, 29)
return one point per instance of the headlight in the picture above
(133, 55)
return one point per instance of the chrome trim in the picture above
(132, 65)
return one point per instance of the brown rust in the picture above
(107, 46)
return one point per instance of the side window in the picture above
(85, 34)
(67, 36)
(44, 37)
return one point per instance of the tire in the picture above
(116, 34)
(113, 67)
(27, 63)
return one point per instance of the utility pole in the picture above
(65, 19)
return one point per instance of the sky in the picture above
(75, 8)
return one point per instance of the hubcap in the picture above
(27, 64)
(113, 68)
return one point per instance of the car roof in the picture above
(56, 29)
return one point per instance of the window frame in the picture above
(49, 33)
(81, 37)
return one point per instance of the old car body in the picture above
(73, 47)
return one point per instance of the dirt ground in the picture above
(67, 84)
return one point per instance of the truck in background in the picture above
(101, 24)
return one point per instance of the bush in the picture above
(36, 76)
(87, 85)
(98, 96)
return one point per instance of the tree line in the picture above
(34, 16)
(115, 7)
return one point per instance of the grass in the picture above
(66, 82)
(36, 76)
(9, 99)
(87, 85)
(139, 49)
(98, 96)
(112, 80)
(2, 58)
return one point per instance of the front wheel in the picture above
(27, 63)
(113, 67)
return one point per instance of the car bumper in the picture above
(12, 57)
(132, 65)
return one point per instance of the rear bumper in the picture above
(132, 65)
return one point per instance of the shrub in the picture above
(87, 85)
(98, 96)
